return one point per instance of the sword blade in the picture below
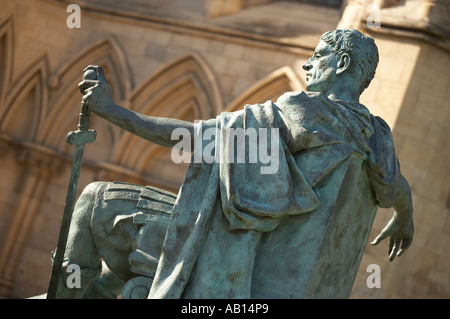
(65, 224)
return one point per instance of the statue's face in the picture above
(321, 68)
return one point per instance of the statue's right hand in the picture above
(95, 89)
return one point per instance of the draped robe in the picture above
(224, 211)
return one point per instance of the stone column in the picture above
(38, 170)
(353, 11)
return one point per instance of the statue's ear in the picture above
(344, 63)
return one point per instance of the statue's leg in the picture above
(129, 224)
(81, 251)
(106, 225)
(107, 286)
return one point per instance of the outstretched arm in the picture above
(97, 96)
(400, 228)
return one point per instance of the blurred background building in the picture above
(192, 59)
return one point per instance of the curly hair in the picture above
(362, 50)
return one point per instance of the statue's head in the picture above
(342, 55)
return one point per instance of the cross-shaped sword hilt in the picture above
(83, 135)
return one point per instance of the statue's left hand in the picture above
(400, 235)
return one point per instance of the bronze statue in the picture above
(235, 230)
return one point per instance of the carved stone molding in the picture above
(5, 144)
(165, 18)
(38, 158)
(427, 21)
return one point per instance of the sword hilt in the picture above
(83, 135)
(83, 122)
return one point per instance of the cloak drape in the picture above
(312, 136)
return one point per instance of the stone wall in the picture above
(421, 133)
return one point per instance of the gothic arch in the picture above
(106, 53)
(65, 101)
(6, 57)
(191, 67)
(271, 87)
(185, 89)
(25, 103)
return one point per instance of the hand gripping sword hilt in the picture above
(83, 135)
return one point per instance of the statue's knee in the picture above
(92, 191)
(88, 199)
(95, 188)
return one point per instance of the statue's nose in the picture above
(307, 66)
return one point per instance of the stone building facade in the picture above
(192, 60)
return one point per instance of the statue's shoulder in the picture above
(298, 98)
(299, 102)
(292, 96)
(382, 134)
(378, 121)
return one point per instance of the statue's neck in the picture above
(343, 90)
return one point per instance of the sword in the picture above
(78, 138)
